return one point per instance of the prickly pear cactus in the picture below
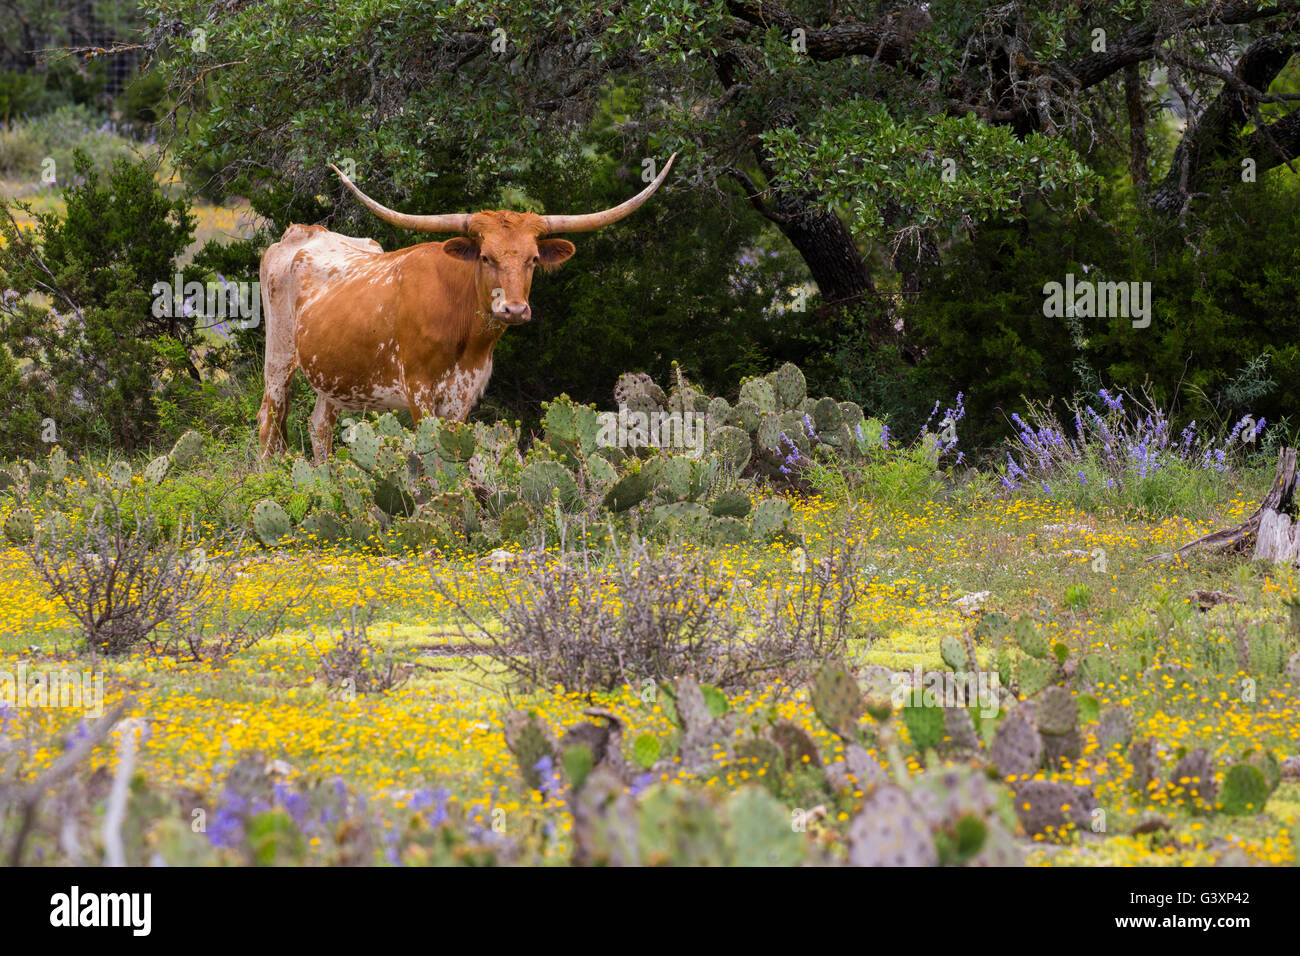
(959, 729)
(571, 429)
(58, 464)
(270, 522)
(20, 526)
(1115, 729)
(187, 449)
(789, 384)
(925, 722)
(543, 480)
(953, 652)
(516, 523)
(628, 492)
(302, 474)
(1017, 748)
(673, 478)
(1033, 675)
(1245, 790)
(1193, 780)
(365, 446)
(771, 516)
(1266, 764)
(156, 470)
(1053, 809)
(1057, 711)
(324, 527)
(837, 700)
(732, 446)
(1030, 639)
(456, 441)
(732, 503)
(890, 831)
(760, 394)
(827, 416)
(724, 531)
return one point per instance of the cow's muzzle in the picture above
(513, 314)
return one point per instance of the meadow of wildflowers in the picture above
(266, 757)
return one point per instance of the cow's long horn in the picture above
(454, 222)
(597, 220)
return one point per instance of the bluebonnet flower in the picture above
(546, 769)
(641, 782)
(792, 459)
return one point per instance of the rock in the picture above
(971, 603)
(1204, 600)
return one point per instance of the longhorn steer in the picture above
(415, 328)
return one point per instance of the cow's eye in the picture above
(535, 260)
(482, 258)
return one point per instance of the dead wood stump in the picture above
(1269, 533)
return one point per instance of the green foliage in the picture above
(1217, 344)
(1077, 596)
(925, 722)
(880, 470)
(97, 352)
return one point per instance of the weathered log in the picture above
(1266, 538)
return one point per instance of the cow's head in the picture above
(508, 246)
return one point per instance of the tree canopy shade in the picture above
(840, 122)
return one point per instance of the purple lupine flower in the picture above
(545, 767)
(808, 426)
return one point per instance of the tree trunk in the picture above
(822, 240)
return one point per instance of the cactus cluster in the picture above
(62, 484)
(468, 487)
(949, 815)
(773, 418)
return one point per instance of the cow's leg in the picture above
(421, 402)
(281, 358)
(274, 413)
(321, 426)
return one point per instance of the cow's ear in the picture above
(553, 252)
(461, 248)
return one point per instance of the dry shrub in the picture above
(563, 619)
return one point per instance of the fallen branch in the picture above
(30, 798)
(1238, 539)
